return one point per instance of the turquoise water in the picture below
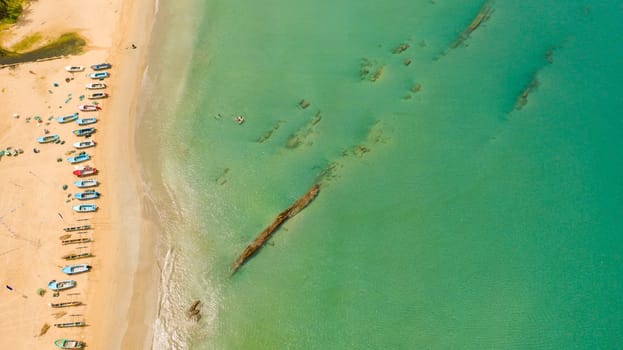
(450, 215)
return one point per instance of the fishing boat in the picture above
(101, 66)
(84, 208)
(97, 95)
(89, 108)
(84, 144)
(77, 228)
(48, 138)
(86, 183)
(70, 324)
(95, 86)
(99, 75)
(67, 118)
(61, 285)
(74, 69)
(76, 241)
(66, 304)
(88, 194)
(76, 269)
(77, 256)
(84, 132)
(81, 157)
(69, 344)
(86, 171)
(86, 121)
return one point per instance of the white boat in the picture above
(89, 108)
(84, 144)
(74, 69)
(95, 86)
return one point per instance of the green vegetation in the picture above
(66, 44)
(10, 11)
(27, 42)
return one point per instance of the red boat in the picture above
(86, 171)
(89, 108)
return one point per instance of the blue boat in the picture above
(81, 157)
(86, 121)
(84, 132)
(60, 285)
(76, 269)
(67, 118)
(48, 138)
(84, 208)
(99, 75)
(86, 183)
(88, 194)
(101, 66)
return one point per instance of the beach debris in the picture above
(522, 99)
(40, 292)
(60, 313)
(194, 311)
(58, 160)
(64, 188)
(304, 103)
(416, 88)
(400, 48)
(65, 236)
(407, 61)
(9, 287)
(15, 115)
(259, 241)
(44, 329)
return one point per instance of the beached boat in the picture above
(77, 228)
(66, 304)
(84, 144)
(81, 157)
(86, 121)
(67, 118)
(95, 86)
(48, 138)
(75, 269)
(61, 285)
(97, 95)
(89, 108)
(70, 324)
(86, 195)
(99, 75)
(86, 183)
(84, 208)
(69, 344)
(86, 171)
(77, 256)
(101, 66)
(76, 241)
(84, 132)
(74, 69)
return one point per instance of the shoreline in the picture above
(123, 272)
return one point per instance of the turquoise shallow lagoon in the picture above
(470, 199)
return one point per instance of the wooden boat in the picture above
(89, 108)
(99, 75)
(48, 138)
(77, 256)
(76, 269)
(97, 95)
(86, 183)
(66, 304)
(81, 157)
(76, 241)
(67, 118)
(86, 171)
(95, 86)
(84, 144)
(84, 132)
(74, 69)
(101, 66)
(69, 344)
(61, 285)
(77, 228)
(84, 208)
(70, 324)
(86, 195)
(86, 121)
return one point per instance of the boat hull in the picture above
(61, 285)
(48, 138)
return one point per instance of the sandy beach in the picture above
(119, 293)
